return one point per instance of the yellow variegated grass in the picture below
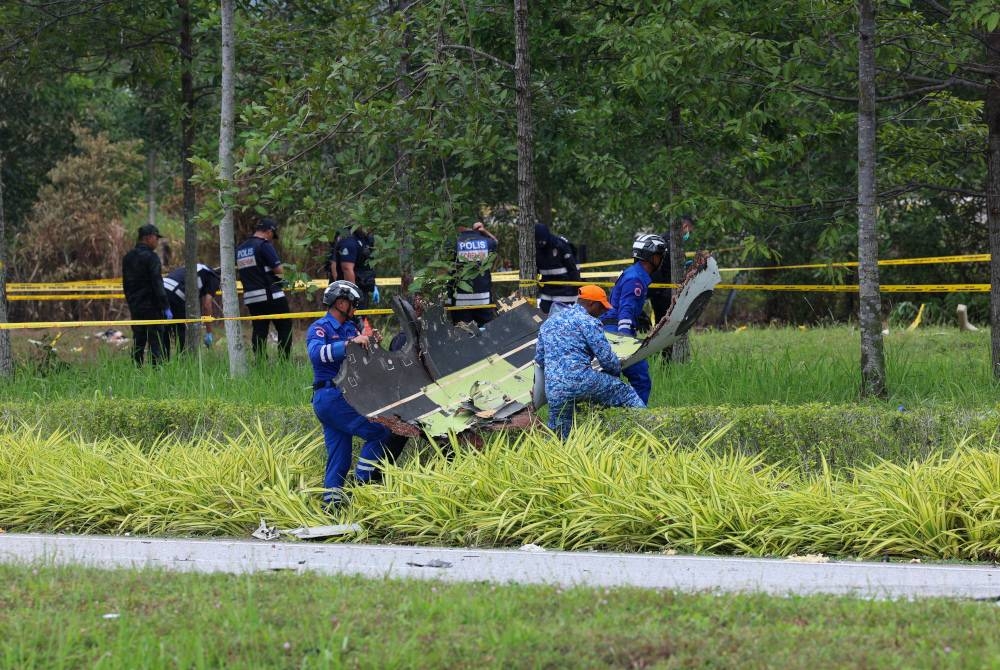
(631, 491)
(59, 482)
(627, 491)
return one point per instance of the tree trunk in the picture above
(192, 304)
(401, 171)
(680, 351)
(227, 246)
(525, 147)
(151, 185)
(870, 300)
(992, 113)
(6, 355)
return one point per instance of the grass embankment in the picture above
(751, 367)
(625, 491)
(73, 617)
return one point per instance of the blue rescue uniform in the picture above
(628, 297)
(327, 342)
(567, 343)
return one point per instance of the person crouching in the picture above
(567, 343)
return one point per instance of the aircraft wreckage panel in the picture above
(446, 348)
(450, 379)
(385, 382)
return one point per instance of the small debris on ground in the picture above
(808, 558)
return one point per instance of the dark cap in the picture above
(149, 229)
(268, 223)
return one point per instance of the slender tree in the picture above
(6, 356)
(526, 217)
(192, 302)
(991, 112)
(870, 301)
(227, 249)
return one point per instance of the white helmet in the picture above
(647, 245)
(341, 289)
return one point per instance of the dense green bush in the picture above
(146, 420)
(803, 435)
(843, 435)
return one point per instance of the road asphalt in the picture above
(529, 565)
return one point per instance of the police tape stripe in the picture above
(114, 284)
(204, 319)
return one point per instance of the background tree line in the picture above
(399, 116)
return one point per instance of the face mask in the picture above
(686, 236)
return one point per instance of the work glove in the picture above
(168, 314)
(208, 340)
(375, 295)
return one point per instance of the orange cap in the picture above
(595, 293)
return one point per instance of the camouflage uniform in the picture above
(567, 342)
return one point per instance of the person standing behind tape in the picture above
(144, 293)
(352, 254)
(260, 273)
(556, 261)
(329, 341)
(208, 284)
(475, 245)
(628, 297)
(567, 343)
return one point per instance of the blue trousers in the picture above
(564, 392)
(340, 423)
(637, 375)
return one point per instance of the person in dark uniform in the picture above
(329, 341)
(475, 245)
(260, 272)
(350, 258)
(208, 284)
(628, 297)
(556, 261)
(659, 298)
(143, 288)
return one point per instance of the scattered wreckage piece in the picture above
(688, 303)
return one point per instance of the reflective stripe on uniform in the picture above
(260, 295)
(553, 271)
(326, 353)
(463, 299)
(557, 298)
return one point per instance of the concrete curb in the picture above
(562, 568)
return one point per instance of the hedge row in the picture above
(843, 435)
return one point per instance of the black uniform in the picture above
(143, 287)
(256, 260)
(556, 260)
(475, 247)
(208, 284)
(356, 248)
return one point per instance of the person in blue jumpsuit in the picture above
(567, 343)
(327, 341)
(628, 297)
(556, 261)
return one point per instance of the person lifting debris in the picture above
(568, 341)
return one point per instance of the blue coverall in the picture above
(567, 342)
(628, 297)
(327, 342)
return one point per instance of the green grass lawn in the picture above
(74, 617)
(756, 366)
